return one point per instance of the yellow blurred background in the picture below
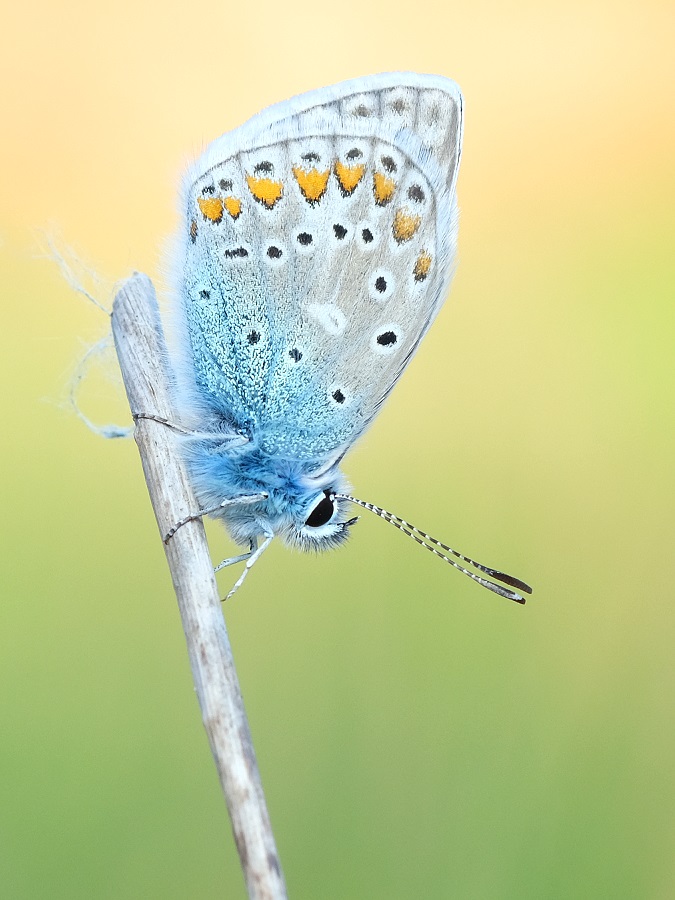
(417, 736)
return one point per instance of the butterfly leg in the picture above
(246, 498)
(253, 556)
(237, 559)
(226, 440)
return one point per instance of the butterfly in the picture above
(316, 249)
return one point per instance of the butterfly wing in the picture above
(319, 248)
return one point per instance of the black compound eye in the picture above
(322, 512)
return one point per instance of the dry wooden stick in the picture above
(141, 351)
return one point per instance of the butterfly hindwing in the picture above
(320, 243)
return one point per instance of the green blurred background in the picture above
(417, 736)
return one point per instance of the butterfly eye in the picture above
(322, 512)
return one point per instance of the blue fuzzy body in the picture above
(292, 486)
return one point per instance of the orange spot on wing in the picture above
(265, 190)
(211, 207)
(422, 266)
(405, 225)
(349, 176)
(383, 188)
(233, 206)
(312, 184)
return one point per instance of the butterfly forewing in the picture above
(320, 243)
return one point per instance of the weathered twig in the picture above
(140, 347)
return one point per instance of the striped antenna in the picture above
(433, 546)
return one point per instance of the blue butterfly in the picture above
(316, 250)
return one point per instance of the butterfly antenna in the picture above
(436, 547)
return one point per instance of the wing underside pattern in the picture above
(318, 249)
